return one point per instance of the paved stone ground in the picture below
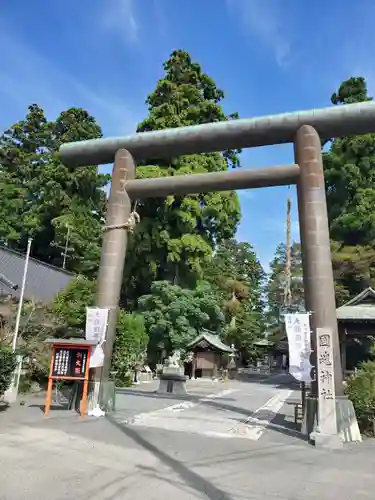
(212, 409)
(135, 454)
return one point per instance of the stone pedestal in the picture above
(172, 381)
(347, 430)
(104, 392)
(108, 396)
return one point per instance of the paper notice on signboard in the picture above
(96, 324)
(298, 332)
(97, 356)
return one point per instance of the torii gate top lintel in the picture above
(306, 130)
(330, 122)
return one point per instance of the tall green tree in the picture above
(275, 289)
(177, 234)
(349, 168)
(130, 349)
(235, 270)
(353, 269)
(69, 306)
(174, 316)
(238, 277)
(42, 198)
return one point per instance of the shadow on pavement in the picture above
(195, 398)
(277, 422)
(53, 407)
(192, 479)
(277, 380)
(4, 406)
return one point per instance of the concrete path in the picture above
(135, 455)
(214, 409)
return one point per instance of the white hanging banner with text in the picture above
(298, 332)
(96, 329)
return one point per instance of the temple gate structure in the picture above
(306, 130)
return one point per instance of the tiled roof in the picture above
(360, 307)
(43, 281)
(212, 340)
(365, 312)
(367, 295)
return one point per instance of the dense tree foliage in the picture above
(276, 298)
(70, 304)
(176, 235)
(237, 276)
(130, 349)
(174, 316)
(8, 363)
(349, 168)
(40, 197)
(131, 341)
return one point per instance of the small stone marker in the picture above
(326, 382)
(326, 434)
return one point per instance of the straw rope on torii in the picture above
(133, 219)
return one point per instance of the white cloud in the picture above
(27, 77)
(118, 17)
(262, 19)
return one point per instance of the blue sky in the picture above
(269, 56)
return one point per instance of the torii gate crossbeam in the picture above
(306, 130)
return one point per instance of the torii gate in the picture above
(305, 130)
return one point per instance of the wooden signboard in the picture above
(70, 360)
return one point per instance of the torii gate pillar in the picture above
(338, 424)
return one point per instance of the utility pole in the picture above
(65, 254)
(67, 249)
(20, 303)
(11, 394)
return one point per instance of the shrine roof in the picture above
(264, 343)
(211, 339)
(360, 307)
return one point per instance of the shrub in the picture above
(361, 391)
(8, 363)
(130, 347)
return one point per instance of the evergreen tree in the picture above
(349, 169)
(176, 235)
(277, 280)
(42, 198)
(237, 276)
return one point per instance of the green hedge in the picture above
(361, 391)
(8, 363)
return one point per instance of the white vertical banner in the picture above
(96, 329)
(298, 332)
(326, 382)
(96, 324)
